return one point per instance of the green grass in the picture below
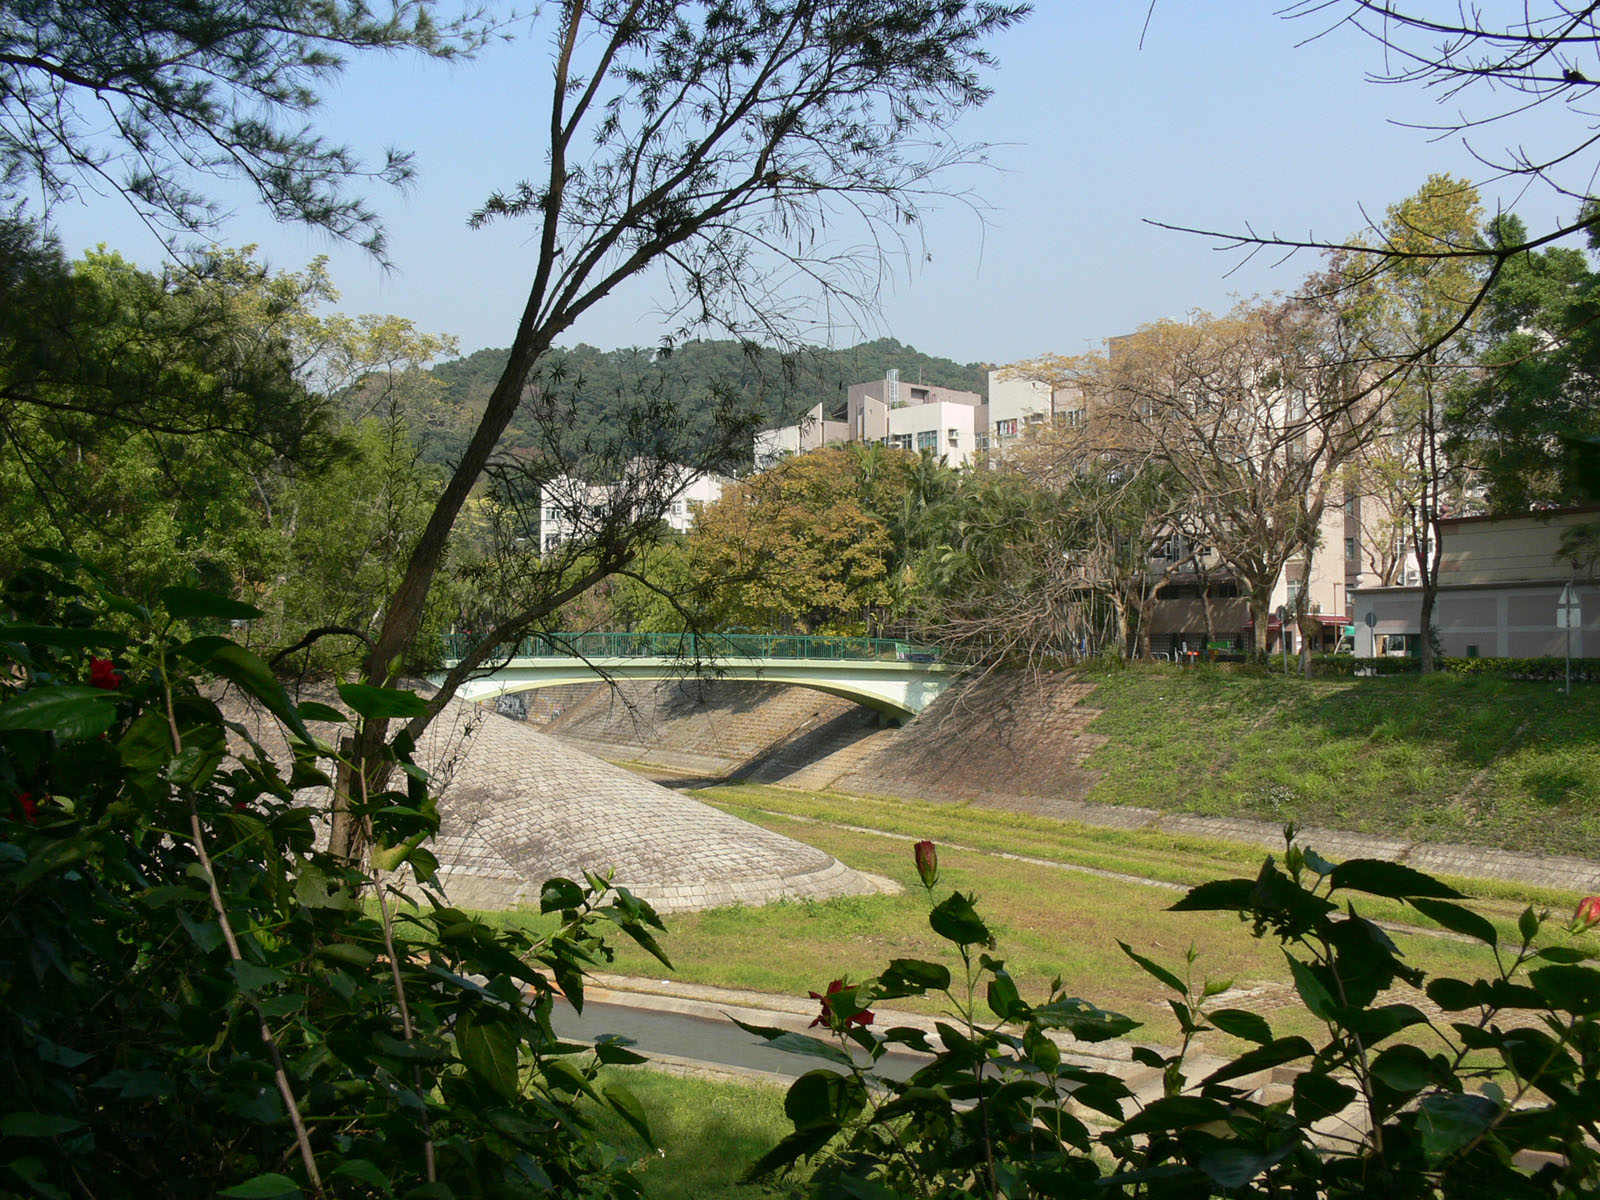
(1049, 922)
(1443, 758)
(710, 1131)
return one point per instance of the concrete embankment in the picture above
(1009, 741)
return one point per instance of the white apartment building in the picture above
(572, 509)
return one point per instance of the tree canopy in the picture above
(162, 98)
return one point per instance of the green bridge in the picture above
(894, 677)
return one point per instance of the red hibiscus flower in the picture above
(826, 1016)
(29, 807)
(102, 674)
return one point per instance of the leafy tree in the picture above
(157, 98)
(1407, 320)
(798, 547)
(1253, 413)
(198, 1003)
(139, 412)
(1538, 354)
(715, 141)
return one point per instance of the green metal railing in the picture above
(693, 646)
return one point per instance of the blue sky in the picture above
(1220, 120)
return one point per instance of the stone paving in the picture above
(517, 807)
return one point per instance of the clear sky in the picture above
(1221, 119)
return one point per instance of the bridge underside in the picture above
(897, 690)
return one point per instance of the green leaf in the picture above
(802, 1143)
(1564, 954)
(1572, 989)
(251, 977)
(1318, 1096)
(1448, 1123)
(796, 1043)
(187, 603)
(1458, 920)
(315, 710)
(70, 712)
(262, 1187)
(626, 1105)
(63, 639)
(1528, 923)
(238, 666)
(911, 977)
(1232, 1166)
(367, 1171)
(1263, 1058)
(1394, 880)
(956, 920)
(33, 1124)
(1174, 1112)
(1004, 999)
(1225, 895)
(1452, 995)
(558, 894)
(1236, 1022)
(488, 1048)
(1403, 1068)
(1317, 997)
(1156, 970)
(824, 1097)
(379, 704)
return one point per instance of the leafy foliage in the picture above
(774, 386)
(199, 1000)
(155, 98)
(1391, 1101)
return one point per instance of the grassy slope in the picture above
(1444, 759)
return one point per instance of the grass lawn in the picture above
(1048, 921)
(1442, 758)
(710, 1131)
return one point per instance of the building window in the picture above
(1351, 551)
(955, 437)
(919, 393)
(928, 439)
(900, 441)
(1294, 591)
(1035, 418)
(981, 441)
(1007, 428)
(552, 514)
(1070, 417)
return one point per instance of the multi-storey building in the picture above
(573, 508)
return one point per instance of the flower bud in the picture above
(1588, 912)
(927, 856)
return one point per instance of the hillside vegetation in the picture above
(777, 386)
(1440, 758)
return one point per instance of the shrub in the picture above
(198, 1001)
(1443, 1111)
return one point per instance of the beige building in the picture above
(1499, 582)
(812, 432)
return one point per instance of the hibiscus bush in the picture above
(199, 1002)
(1416, 1087)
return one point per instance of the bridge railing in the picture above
(701, 646)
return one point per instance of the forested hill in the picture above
(780, 386)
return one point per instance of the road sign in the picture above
(1568, 613)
